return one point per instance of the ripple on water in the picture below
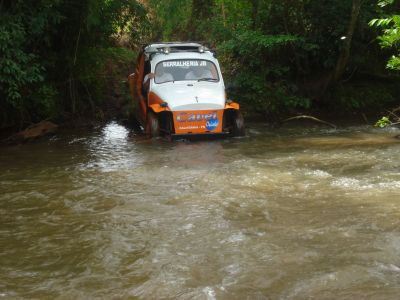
(291, 213)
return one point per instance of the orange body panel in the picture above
(198, 121)
(141, 99)
(155, 103)
(154, 99)
(157, 108)
(232, 105)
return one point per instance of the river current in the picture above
(291, 213)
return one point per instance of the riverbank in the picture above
(48, 129)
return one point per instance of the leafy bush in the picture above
(391, 34)
(257, 70)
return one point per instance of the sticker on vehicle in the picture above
(198, 122)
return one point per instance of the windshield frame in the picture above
(218, 79)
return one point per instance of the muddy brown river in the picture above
(291, 213)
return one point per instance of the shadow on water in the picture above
(289, 213)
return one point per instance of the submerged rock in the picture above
(38, 130)
(33, 132)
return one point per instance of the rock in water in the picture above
(36, 131)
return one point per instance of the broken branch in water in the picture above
(392, 119)
(310, 118)
(392, 113)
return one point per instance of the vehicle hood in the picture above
(186, 95)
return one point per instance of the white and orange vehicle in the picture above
(180, 92)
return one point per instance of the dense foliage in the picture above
(389, 39)
(58, 58)
(391, 34)
(52, 52)
(286, 56)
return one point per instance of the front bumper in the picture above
(200, 136)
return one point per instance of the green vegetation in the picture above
(53, 55)
(391, 34)
(390, 39)
(64, 59)
(283, 57)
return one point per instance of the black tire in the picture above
(166, 123)
(169, 125)
(152, 125)
(238, 124)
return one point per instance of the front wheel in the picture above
(152, 125)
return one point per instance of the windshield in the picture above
(186, 69)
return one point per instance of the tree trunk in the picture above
(223, 12)
(345, 52)
(333, 77)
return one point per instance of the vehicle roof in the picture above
(183, 55)
(158, 46)
(177, 50)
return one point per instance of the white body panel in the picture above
(189, 95)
